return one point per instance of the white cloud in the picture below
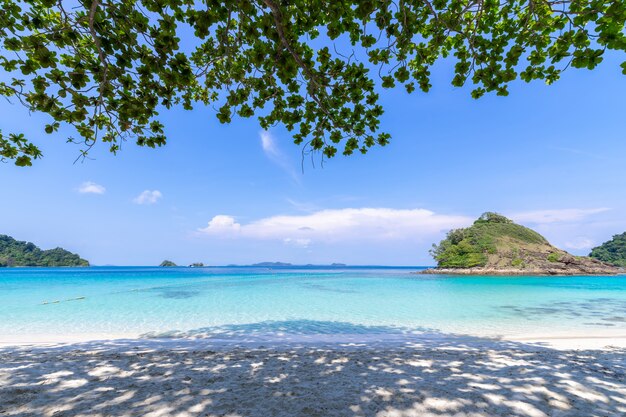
(269, 144)
(299, 243)
(349, 224)
(579, 243)
(89, 187)
(222, 223)
(300, 206)
(575, 151)
(148, 197)
(555, 216)
(274, 154)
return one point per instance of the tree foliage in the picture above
(18, 253)
(491, 217)
(109, 68)
(613, 251)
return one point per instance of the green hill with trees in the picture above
(495, 244)
(18, 253)
(612, 251)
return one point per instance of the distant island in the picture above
(19, 253)
(612, 251)
(272, 264)
(168, 263)
(495, 245)
(279, 264)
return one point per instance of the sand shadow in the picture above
(443, 375)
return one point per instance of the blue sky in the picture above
(552, 157)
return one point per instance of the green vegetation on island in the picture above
(196, 265)
(167, 263)
(18, 253)
(495, 244)
(491, 233)
(612, 251)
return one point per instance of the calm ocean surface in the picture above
(243, 303)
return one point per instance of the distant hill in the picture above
(17, 253)
(271, 264)
(278, 264)
(167, 263)
(612, 251)
(496, 245)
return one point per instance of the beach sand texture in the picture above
(441, 378)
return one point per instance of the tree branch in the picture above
(96, 39)
(280, 29)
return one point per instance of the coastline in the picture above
(596, 339)
(326, 368)
(516, 272)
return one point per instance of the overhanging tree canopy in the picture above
(107, 68)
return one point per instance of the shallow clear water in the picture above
(240, 302)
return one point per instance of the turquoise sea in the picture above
(246, 303)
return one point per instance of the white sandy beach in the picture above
(433, 377)
(570, 340)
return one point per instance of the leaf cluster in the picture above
(107, 69)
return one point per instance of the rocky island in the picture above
(18, 253)
(495, 245)
(167, 264)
